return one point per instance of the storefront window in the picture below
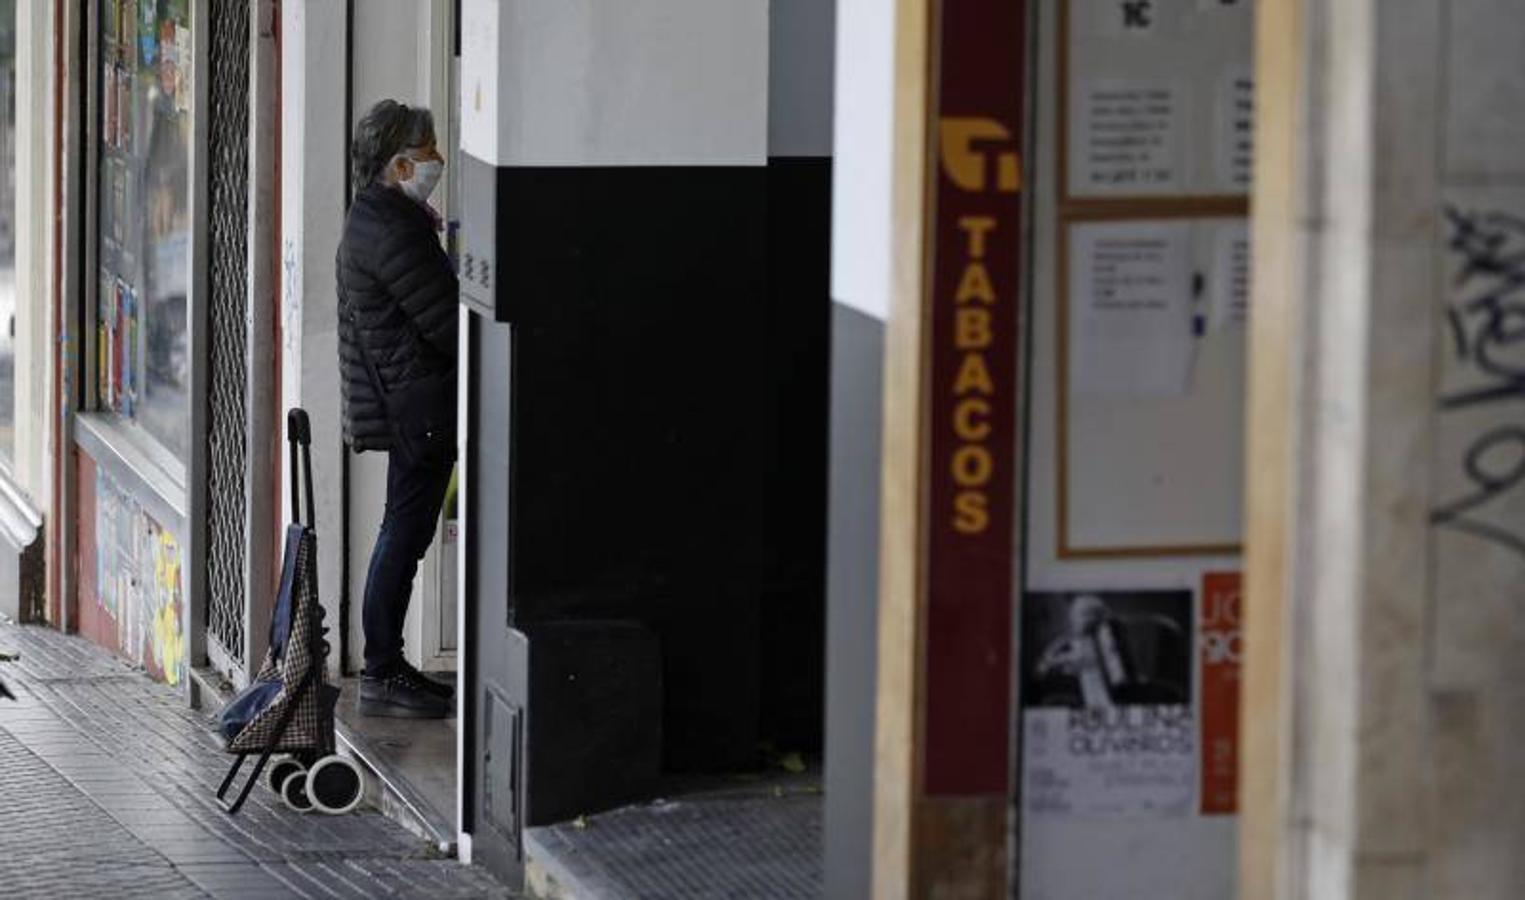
(142, 353)
(7, 229)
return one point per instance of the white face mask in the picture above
(426, 175)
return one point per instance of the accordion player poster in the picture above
(1109, 728)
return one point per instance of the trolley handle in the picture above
(299, 435)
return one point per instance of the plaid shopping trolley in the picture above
(289, 708)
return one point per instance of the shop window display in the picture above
(142, 352)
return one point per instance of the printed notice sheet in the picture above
(1125, 137)
(1130, 309)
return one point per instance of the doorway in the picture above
(646, 459)
(407, 51)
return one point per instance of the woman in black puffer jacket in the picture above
(397, 360)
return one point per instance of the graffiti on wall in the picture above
(140, 581)
(1486, 367)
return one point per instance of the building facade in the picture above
(1083, 426)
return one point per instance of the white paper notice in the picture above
(1123, 762)
(1130, 309)
(1236, 129)
(1230, 277)
(1125, 137)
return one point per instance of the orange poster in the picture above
(1221, 643)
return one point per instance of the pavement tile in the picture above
(167, 816)
(170, 833)
(207, 850)
(235, 879)
(107, 784)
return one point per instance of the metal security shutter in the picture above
(228, 139)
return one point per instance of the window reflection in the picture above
(142, 358)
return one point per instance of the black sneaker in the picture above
(437, 688)
(404, 695)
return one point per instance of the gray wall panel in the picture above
(801, 45)
(633, 83)
(852, 591)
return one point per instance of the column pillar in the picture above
(1384, 701)
(950, 494)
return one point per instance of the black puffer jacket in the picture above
(398, 294)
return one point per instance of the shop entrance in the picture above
(407, 51)
(646, 464)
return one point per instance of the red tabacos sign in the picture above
(973, 303)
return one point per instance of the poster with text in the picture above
(1109, 729)
(1221, 640)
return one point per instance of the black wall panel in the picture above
(667, 436)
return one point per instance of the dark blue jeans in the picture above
(415, 494)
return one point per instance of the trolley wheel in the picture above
(280, 770)
(335, 785)
(294, 792)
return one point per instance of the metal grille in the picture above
(228, 150)
(759, 840)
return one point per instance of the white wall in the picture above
(1476, 691)
(861, 187)
(313, 141)
(639, 82)
(34, 249)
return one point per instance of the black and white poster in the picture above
(1109, 728)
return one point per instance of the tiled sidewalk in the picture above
(107, 784)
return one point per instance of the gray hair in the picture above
(387, 130)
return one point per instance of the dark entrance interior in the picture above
(647, 510)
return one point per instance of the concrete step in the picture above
(391, 791)
(387, 788)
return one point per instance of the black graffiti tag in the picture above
(1495, 464)
(1488, 325)
(1487, 328)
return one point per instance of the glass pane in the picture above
(7, 228)
(142, 358)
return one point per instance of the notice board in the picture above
(1154, 167)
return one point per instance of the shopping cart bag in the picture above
(289, 708)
